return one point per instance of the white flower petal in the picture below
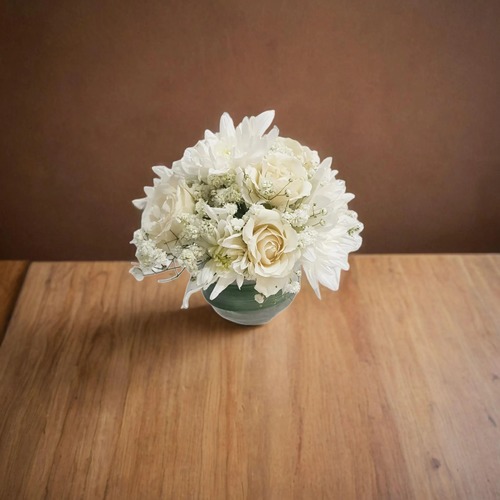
(140, 203)
(161, 170)
(259, 298)
(263, 121)
(268, 286)
(137, 273)
(226, 126)
(222, 283)
(192, 287)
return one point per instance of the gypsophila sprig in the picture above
(245, 204)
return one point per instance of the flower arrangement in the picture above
(243, 204)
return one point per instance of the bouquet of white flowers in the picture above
(243, 204)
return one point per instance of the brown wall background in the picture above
(404, 95)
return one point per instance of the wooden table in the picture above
(12, 275)
(389, 388)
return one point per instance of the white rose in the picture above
(169, 198)
(272, 250)
(308, 157)
(279, 179)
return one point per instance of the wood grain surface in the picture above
(389, 388)
(12, 274)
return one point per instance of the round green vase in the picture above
(239, 305)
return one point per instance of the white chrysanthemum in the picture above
(334, 230)
(224, 248)
(221, 152)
